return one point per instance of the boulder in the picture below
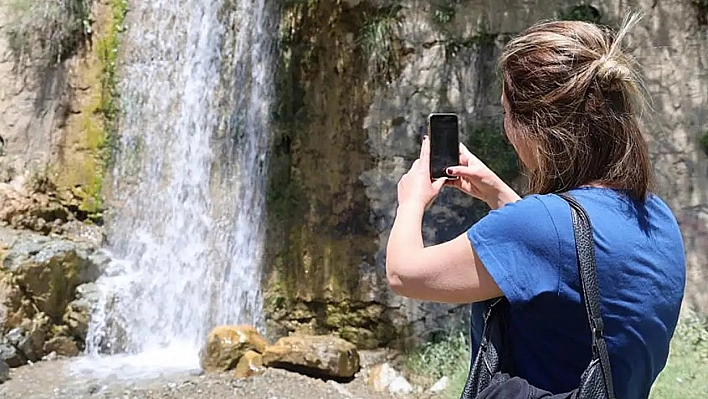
(46, 291)
(37, 334)
(41, 274)
(317, 356)
(227, 344)
(83, 232)
(33, 211)
(250, 364)
(15, 306)
(63, 346)
(10, 355)
(4, 372)
(77, 313)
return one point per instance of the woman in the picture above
(571, 104)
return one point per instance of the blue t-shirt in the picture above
(528, 247)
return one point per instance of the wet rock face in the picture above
(353, 97)
(45, 289)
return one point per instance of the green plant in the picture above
(47, 30)
(379, 42)
(684, 374)
(447, 356)
(703, 142)
(443, 14)
(481, 38)
(581, 12)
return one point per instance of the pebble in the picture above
(440, 385)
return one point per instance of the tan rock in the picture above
(227, 344)
(314, 355)
(36, 211)
(250, 364)
(381, 376)
(63, 346)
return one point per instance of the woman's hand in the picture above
(415, 188)
(477, 180)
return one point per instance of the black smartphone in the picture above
(444, 135)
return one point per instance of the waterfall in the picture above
(186, 230)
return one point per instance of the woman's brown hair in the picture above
(573, 98)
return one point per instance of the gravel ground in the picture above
(50, 379)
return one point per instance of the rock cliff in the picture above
(357, 79)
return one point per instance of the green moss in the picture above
(108, 52)
(703, 142)
(581, 12)
(101, 121)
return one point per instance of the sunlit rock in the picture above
(381, 376)
(318, 356)
(250, 364)
(227, 344)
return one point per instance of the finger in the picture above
(425, 152)
(438, 184)
(469, 156)
(462, 171)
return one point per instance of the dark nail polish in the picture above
(448, 171)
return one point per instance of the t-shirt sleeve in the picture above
(519, 246)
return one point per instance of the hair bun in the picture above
(611, 73)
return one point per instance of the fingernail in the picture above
(425, 137)
(448, 171)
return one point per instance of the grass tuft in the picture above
(683, 377)
(443, 14)
(685, 373)
(48, 31)
(379, 42)
(448, 356)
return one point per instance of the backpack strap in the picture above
(590, 289)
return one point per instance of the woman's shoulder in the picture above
(527, 220)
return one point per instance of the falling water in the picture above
(186, 232)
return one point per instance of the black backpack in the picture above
(491, 373)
